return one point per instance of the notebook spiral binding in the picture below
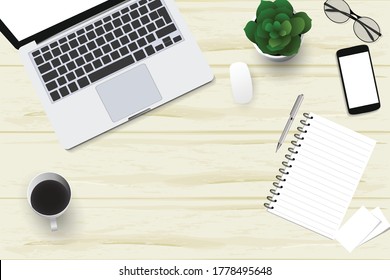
(289, 157)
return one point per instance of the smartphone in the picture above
(357, 75)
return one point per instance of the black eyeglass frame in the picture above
(356, 18)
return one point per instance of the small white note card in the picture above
(361, 227)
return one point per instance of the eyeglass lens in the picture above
(366, 29)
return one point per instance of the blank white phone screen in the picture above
(359, 81)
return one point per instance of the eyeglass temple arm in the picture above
(333, 9)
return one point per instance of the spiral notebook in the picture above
(320, 176)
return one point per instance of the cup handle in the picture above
(53, 224)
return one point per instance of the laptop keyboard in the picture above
(110, 44)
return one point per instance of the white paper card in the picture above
(382, 227)
(357, 228)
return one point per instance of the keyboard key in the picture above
(177, 39)
(73, 87)
(168, 43)
(56, 62)
(91, 35)
(134, 6)
(71, 65)
(118, 32)
(133, 47)
(135, 24)
(83, 82)
(62, 40)
(117, 22)
(80, 61)
(50, 76)
(133, 36)
(53, 45)
(115, 55)
(80, 32)
(44, 49)
(115, 45)
(70, 76)
(88, 68)
(61, 81)
(71, 36)
(154, 5)
(151, 27)
(154, 15)
(143, 10)
(51, 86)
(107, 19)
(100, 31)
(159, 47)
(64, 91)
(127, 28)
(112, 68)
(150, 50)
(98, 23)
(117, 14)
(107, 48)
(73, 54)
(65, 58)
(124, 40)
(145, 20)
(97, 63)
(91, 46)
(141, 42)
(62, 70)
(82, 50)
(134, 14)
(142, 2)
(44, 67)
(82, 39)
(55, 95)
(109, 37)
(166, 39)
(74, 44)
(100, 41)
(56, 52)
(47, 56)
(106, 59)
(108, 27)
(125, 10)
(125, 18)
(98, 53)
(150, 38)
(89, 27)
(79, 72)
(123, 51)
(160, 23)
(139, 55)
(164, 13)
(142, 31)
(88, 57)
(36, 53)
(65, 48)
(166, 30)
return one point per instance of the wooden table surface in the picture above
(188, 180)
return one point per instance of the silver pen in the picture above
(293, 113)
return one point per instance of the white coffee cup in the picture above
(49, 195)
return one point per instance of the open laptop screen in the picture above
(25, 18)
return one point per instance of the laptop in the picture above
(98, 64)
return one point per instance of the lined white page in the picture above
(323, 176)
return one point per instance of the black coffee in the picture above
(50, 197)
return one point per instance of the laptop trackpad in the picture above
(129, 93)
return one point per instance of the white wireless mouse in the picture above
(241, 82)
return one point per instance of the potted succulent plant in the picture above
(277, 30)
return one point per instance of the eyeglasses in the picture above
(366, 29)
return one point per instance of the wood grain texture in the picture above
(188, 180)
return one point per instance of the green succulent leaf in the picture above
(267, 13)
(287, 27)
(279, 43)
(282, 17)
(284, 10)
(262, 44)
(298, 25)
(261, 32)
(274, 35)
(265, 5)
(268, 27)
(293, 47)
(284, 4)
(306, 19)
(277, 26)
(250, 30)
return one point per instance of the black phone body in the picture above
(358, 78)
